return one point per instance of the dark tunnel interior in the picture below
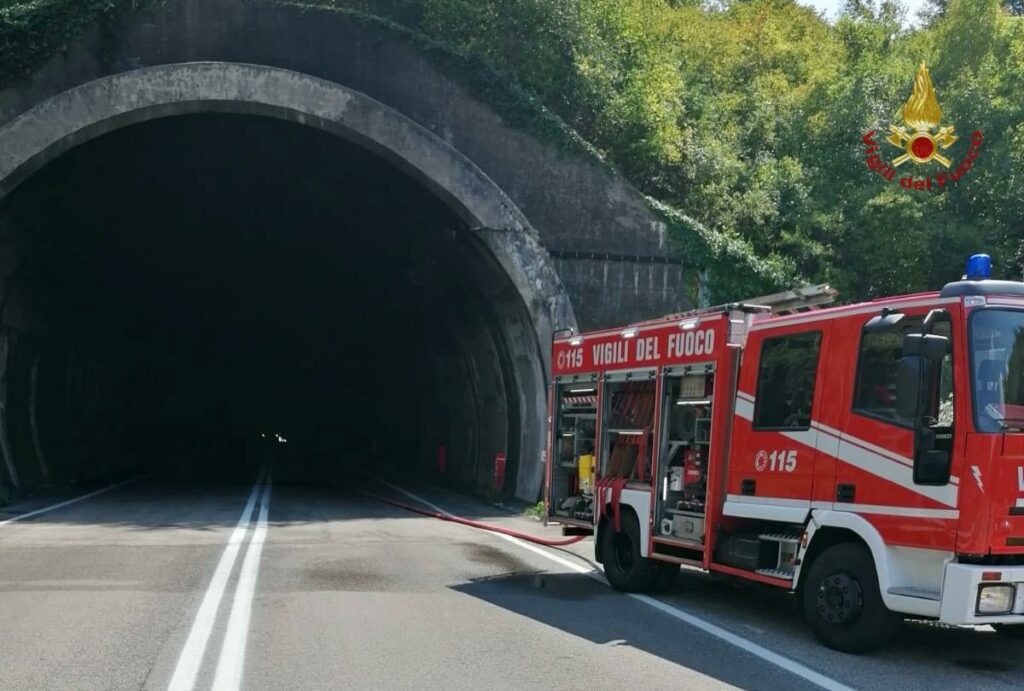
(179, 293)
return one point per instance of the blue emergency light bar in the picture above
(979, 268)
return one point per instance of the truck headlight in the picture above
(995, 599)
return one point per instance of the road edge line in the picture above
(68, 502)
(190, 660)
(747, 645)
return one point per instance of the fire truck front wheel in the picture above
(624, 568)
(842, 602)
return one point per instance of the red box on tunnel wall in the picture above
(499, 470)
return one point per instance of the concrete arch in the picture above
(498, 228)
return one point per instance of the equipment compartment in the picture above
(573, 448)
(687, 403)
(628, 425)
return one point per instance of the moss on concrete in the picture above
(33, 32)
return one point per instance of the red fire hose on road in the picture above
(476, 524)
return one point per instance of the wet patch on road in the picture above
(351, 577)
(492, 556)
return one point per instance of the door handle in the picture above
(748, 487)
(846, 492)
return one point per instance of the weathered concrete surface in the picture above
(572, 201)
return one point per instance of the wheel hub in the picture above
(624, 551)
(840, 598)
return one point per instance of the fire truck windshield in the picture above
(997, 361)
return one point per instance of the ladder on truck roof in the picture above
(803, 299)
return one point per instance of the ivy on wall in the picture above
(33, 32)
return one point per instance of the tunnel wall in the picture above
(526, 303)
(565, 230)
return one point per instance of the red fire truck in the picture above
(868, 458)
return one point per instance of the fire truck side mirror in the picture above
(922, 354)
(910, 380)
(916, 383)
(931, 346)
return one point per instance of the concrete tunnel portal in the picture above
(185, 278)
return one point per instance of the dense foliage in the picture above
(742, 120)
(747, 115)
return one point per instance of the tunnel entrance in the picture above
(184, 293)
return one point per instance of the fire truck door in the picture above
(875, 449)
(772, 468)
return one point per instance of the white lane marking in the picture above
(191, 657)
(69, 502)
(579, 568)
(749, 646)
(707, 627)
(414, 497)
(232, 654)
(536, 549)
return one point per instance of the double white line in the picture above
(230, 665)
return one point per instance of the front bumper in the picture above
(960, 594)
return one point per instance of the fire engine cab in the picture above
(869, 457)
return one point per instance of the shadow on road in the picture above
(926, 653)
(214, 501)
(583, 606)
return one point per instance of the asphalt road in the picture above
(286, 587)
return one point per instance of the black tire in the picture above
(1015, 631)
(624, 568)
(665, 576)
(842, 602)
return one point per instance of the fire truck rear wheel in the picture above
(842, 602)
(624, 568)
